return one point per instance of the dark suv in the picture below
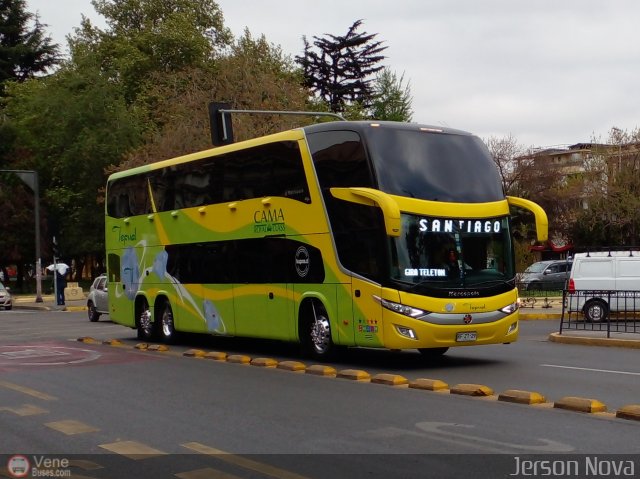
(548, 275)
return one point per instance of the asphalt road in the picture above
(161, 414)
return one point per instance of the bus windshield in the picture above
(447, 167)
(437, 255)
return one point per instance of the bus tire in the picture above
(144, 324)
(432, 353)
(315, 331)
(167, 326)
(596, 311)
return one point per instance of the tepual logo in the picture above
(302, 261)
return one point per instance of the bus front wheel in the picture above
(316, 331)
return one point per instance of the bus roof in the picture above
(293, 134)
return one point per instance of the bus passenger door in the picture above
(367, 313)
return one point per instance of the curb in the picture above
(610, 342)
(35, 307)
(539, 316)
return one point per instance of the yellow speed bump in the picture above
(429, 384)
(321, 370)
(294, 366)
(521, 397)
(112, 342)
(264, 362)
(572, 403)
(157, 347)
(390, 379)
(87, 340)
(477, 390)
(632, 411)
(194, 353)
(142, 346)
(216, 356)
(354, 375)
(239, 358)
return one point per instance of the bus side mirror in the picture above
(220, 124)
(371, 197)
(542, 223)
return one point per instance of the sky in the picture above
(546, 72)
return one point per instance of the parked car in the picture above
(5, 298)
(98, 299)
(546, 275)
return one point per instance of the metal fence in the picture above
(610, 311)
(540, 297)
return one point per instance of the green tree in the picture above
(254, 74)
(610, 207)
(82, 125)
(25, 49)
(392, 97)
(144, 37)
(339, 69)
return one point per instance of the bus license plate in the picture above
(466, 337)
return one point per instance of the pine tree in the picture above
(25, 49)
(392, 98)
(340, 68)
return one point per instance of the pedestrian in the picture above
(61, 283)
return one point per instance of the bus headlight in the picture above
(401, 308)
(510, 308)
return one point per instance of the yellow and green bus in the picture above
(367, 234)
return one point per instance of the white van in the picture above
(604, 281)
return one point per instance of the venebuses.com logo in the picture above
(18, 466)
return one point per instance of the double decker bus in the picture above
(369, 234)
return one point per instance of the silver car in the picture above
(98, 299)
(5, 298)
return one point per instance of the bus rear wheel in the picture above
(144, 325)
(316, 331)
(167, 326)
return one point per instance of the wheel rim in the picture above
(145, 323)
(167, 322)
(321, 334)
(92, 310)
(596, 312)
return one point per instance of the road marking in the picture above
(245, 463)
(132, 449)
(28, 391)
(71, 427)
(435, 431)
(45, 355)
(26, 410)
(630, 373)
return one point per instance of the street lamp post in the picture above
(30, 177)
